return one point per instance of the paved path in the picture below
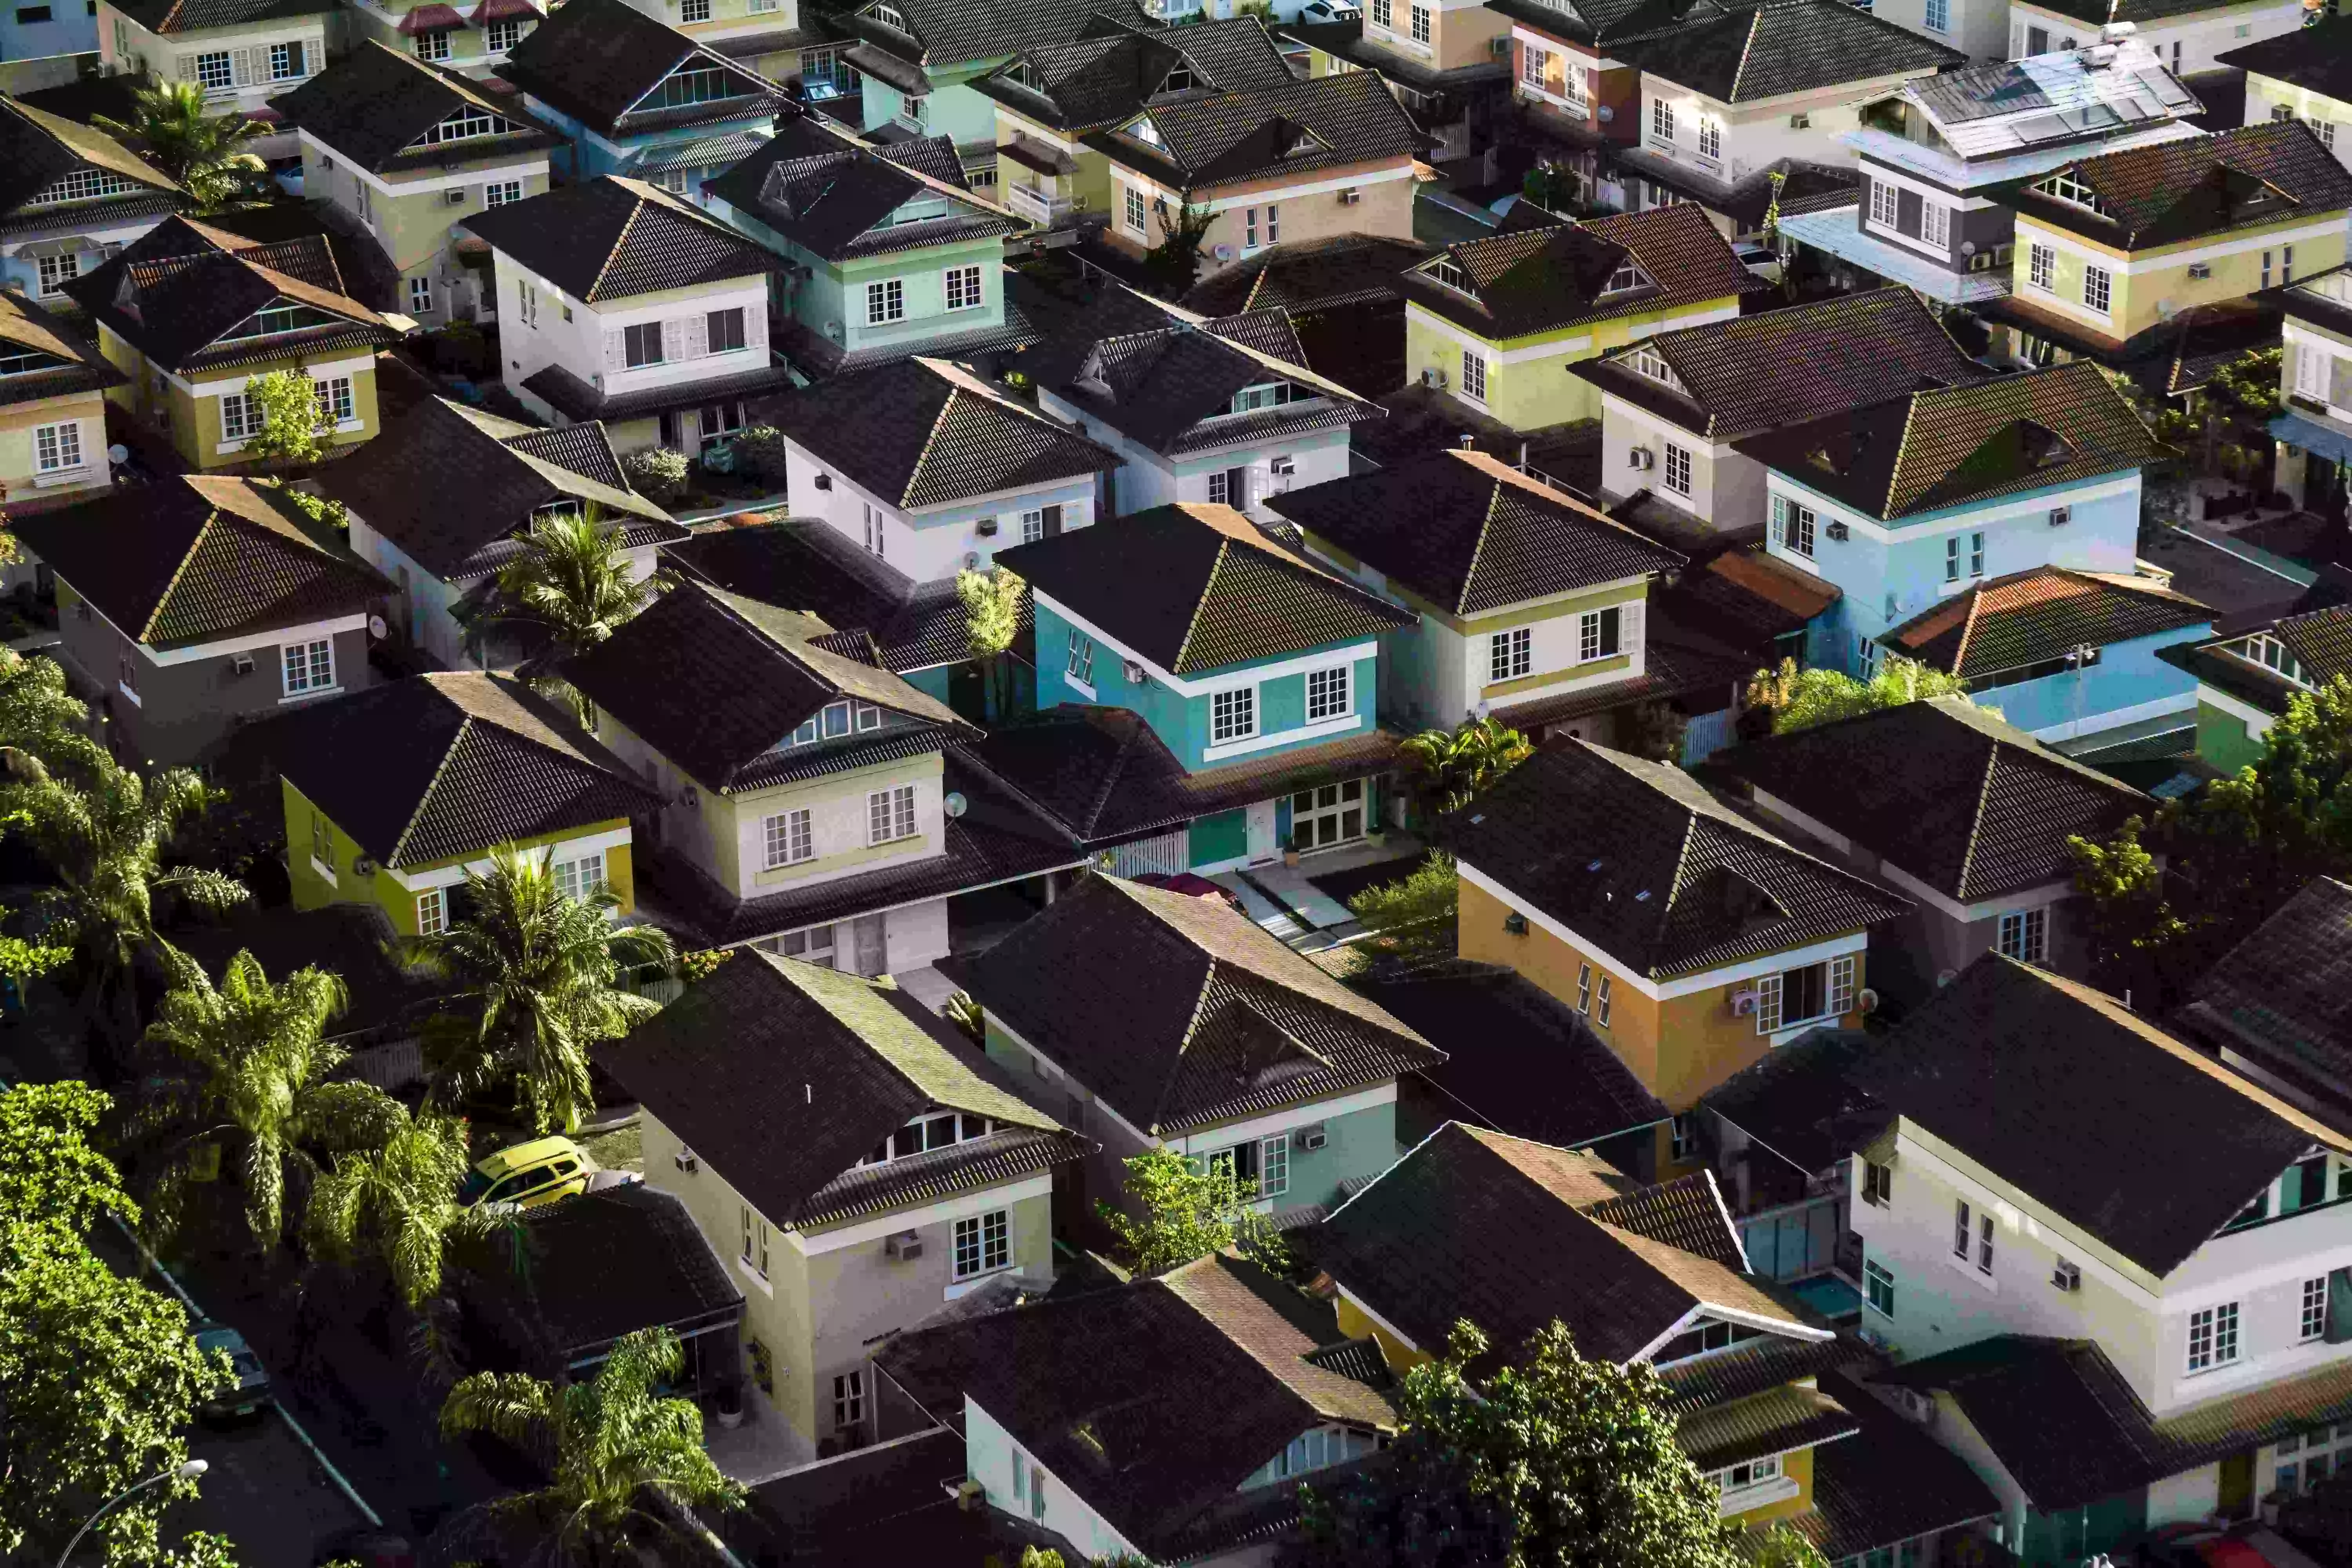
(1289, 884)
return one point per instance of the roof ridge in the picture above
(1478, 549)
(1191, 1026)
(148, 627)
(619, 241)
(1682, 859)
(1224, 546)
(1969, 625)
(939, 422)
(1976, 818)
(1894, 468)
(425, 796)
(1755, 21)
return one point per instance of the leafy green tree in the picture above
(1415, 917)
(1800, 698)
(395, 1201)
(615, 1448)
(170, 127)
(1782, 1547)
(1450, 768)
(49, 1171)
(39, 714)
(1188, 1211)
(536, 979)
(287, 419)
(1175, 262)
(991, 618)
(573, 581)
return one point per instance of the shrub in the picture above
(760, 453)
(658, 473)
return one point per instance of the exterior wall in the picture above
(2330, 117)
(127, 48)
(1805, 125)
(409, 215)
(1580, 89)
(1146, 478)
(2184, 43)
(189, 413)
(92, 231)
(989, 1451)
(1460, 33)
(2128, 684)
(2226, 738)
(1087, 189)
(69, 30)
(1526, 386)
(1314, 210)
(1727, 489)
(2144, 284)
(933, 543)
(1976, 228)
(1979, 26)
(726, 18)
(21, 480)
(378, 21)
(953, 110)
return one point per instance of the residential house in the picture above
(41, 44)
(406, 151)
(1977, 28)
(1938, 159)
(1049, 97)
(1225, 412)
(638, 98)
(773, 37)
(1780, 1135)
(2109, 249)
(1962, 811)
(2275, 1007)
(1908, 502)
(1571, 75)
(1493, 322)
(1530, 604)
(809, 804)
(1167, 1420)
(1446, 62)
(196, 604)
(1672, 406)
(2245, 680)
(855, 1159)
(240, 53)
(2047, 1305)
(395, 795)
(885, 253)
(53, 387)
(2302, 75)
(2313, 431)
(194, 310)
(1233, 650)
(441, 544)
(73, 196)
(2191, 36)
(1313, 159)
(1164, 1021)
(932, 469)
(477, 41)
(1691, 939)
(620, 303)
(1344, 298)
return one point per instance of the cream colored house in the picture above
(2191, 36)
(242, 54)
(53, 390)
(2302, 75)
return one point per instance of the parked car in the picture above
(1331, 11)
(1761, 260)
(529, 1174)
(251, 1390)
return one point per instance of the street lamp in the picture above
(188, 1471)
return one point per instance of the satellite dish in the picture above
(377, 629)
(955, 803)
(117, 454)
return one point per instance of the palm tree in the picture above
(613, 1446)
(38, 713)
(535, 981)
(398, 1199)
(262, 1091)
(206, 152)
(1454, 767)
(572, 580)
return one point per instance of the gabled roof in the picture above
(925, 433)
(374, 106)
(1754, 374)
(2320, 639)
(1179, 1013)
(1470, 533)
(824, 189)
(1555, 275)
(1086, 84)
(1309, 275)
(60, 361)
(1300, 131)
(2031, 617)
(1512, 1235)
(611, 238)
(717, 683)
(1640, 860)
(491, 474)
(2045, 103)
(1945, 790)
(950, 33)
(1949, 446)
(2196, 187)
(180, 292)
(2086, 1107)
(2315, 57)
(1608, 22)
(449, 764)
(1741, 56)
(2282, 998)
(37, 148)
(170, 16)
(782, 1075)
(193, 559)
(596, 59)
(1193, 587)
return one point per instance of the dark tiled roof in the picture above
(1310, 274)
(1785, 367)
(782, 1077)
(1608, 21)
(594, 60)
(1891, 1483)
(1747, 54)
(2031, 617)
(492, 473)
(1085, 84)
(1503, 1232)
(37, 148)
(374, 105)
(2316, 59)
(2282, 998)
(1999, 1064)
(388, 1000)
(1154, 1401)
(169, 17)
(1193, 586)
(1675, 866)
(612, 238)
(1800, 1101)
(925, 433)
(946, 33)
(70, 364)
(1469, 534)
(1179, 1013)
(449, 763)
(1750, 1368)
(1540, 279)
(2172, 192)
(2320, 641)
(197, 559)
(833, 194)
(1773, 1422)
(1297, 130)
(715, 682)
(1947, 791)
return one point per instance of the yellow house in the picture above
(1447, 62)
(2110, 248)
(2302, 75)
(393, 795)
(1496, 322)
(196, 308)
(52, 410)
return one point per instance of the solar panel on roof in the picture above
(2092, 117)
(2042, 128)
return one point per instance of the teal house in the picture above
(1254, 672)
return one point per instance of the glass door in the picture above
(1328, 814)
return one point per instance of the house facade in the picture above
(2246, 680)
(2191, 36)
(1446, 63)
(476, 41)
(2315, 429)
(241, 55)
(77, 197)
(2301, 74)
(53, 387)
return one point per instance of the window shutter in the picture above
(673, 335)
(187, 67)
(240, 64)
(617, 351)
(2340, 1306)
(1629, 628)
(694, 334)
(755, 327)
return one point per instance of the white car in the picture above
(1331, 11)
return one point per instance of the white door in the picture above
(1261, 831)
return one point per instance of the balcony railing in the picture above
(1038, 207)
(1796, 1240)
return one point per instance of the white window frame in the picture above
(432, 46)
(2213, 1338)
(2312, 1324)
(877, 530)
(1711, 138)
(1877, 1280)
(498, 192)
(987, 1239)
(1137, 215)
(961, 287)
(502, 35)
(1592, 640)
(56, 271)
(1936, 225)
(225, 69)
(1662, 118)
(1674, 468)
(1584, 990)
(300, 665)
(890, 816)
(886, 302)
(2099, 281)
(1331, 693)
(1937, 18)
(1232, 715)
(420, 294)
(1885, 201)
(1510, 654)
(2042, 268)
(581, 877)
(787, 838)
(2024, 935)
(1274, 1165)
(1081, 665)
(848, 1399)
(432, 912)
(56, 448)
(1421, 25)
(336, 404)
(290, 53)
(1474, 375)
(1794, 527)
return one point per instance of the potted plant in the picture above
(1289, 849)
(1376, 835)
(728, 1403)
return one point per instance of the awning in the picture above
(1837, 232)
(2312, 436)
(501, 10)
(430, 19)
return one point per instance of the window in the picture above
(1137, 218)
(1710, 139)
(963, 288)
(1232, 715)
(334, 395)
(2099, 288)
(430, 45)
(502, 35)
(1662, 120)
(1584, 989)
(1082, 657)
(2025, 936)
(1384, 14)
(1531, 65)
(2041, 266)
(1273, 223)
(1682, 1143)
(694, 10)
(1648, 362)
(1952, 559)
(1754, 1473)
(1600, 1011)
(886, 301)
(1474, 376)
(56, 447)
(681, 88)
(581, 877)
(420, 295)
(2213, 1337)
(1229, 487)
(213, 72)
(982, 1243)
(1249, 228)
(789, 839)
(1266, 394)
(2286, 264)
(2272, 654)
(285, 61)
(28, 15)
(1878, 1288)
(642, 345)
(1939, 16)
(1420, 24)
(876, 537)
(1274, 1165)
(1975, 554)
(1794, 524)
(849, 1398)
(498, 192)
(310, 666)
(890, 814)
(1877, 1184)
(1984, 1243)
(1963, 1230)
(432, 912)
(322, 840)
(236, 417)
(723, 331)
(1797, 996)
(1884, 202)
(1327, 695)
(2314, 1310)
(1510, 654)
(1678, 468)
(1936, 225)
(1599, 634)
(57, 272)
(80, 185)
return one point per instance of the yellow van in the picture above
(529, 1174)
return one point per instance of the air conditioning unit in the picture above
(1642, 457)
(1432, 376)
(1133, 670)
(824, 482)
(240, 664)
(1283, 467)
(1743, 1001)
(1839, 530)
(685, 1160)
(2059, 516)
(2066, 1275)
(1313, 1138)
(2201, 271)
(1514, 923)
(1501, 46)
(1350, 196)
(970, 1495)
(455, 197)
(362, 866)
(905, 1246)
